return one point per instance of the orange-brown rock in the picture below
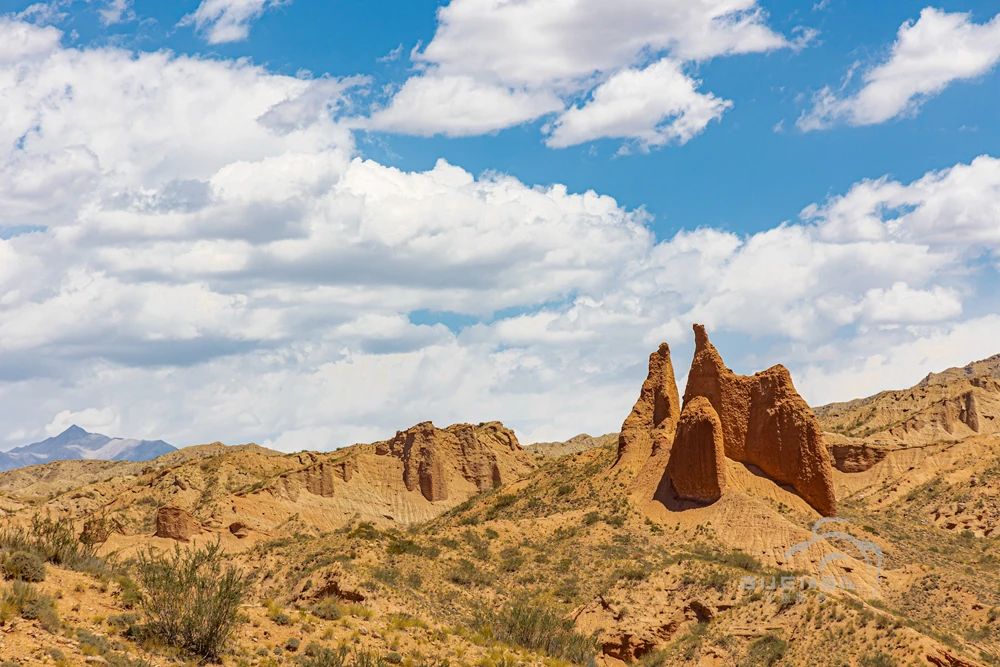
(487, 455)
(855, 457)
(765, 423)
(320, 478)
(239, 529)
(697, 464)
(176, 524)
(651, 424)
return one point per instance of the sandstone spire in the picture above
(697, 465)
(765, 423)
(651, 424)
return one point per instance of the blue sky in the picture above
(430, 242)
(767, 175)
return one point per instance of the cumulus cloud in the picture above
(116, 11)
(929, 54)
(459, 105)
(224, 21)
(654, 106)
(24, 41)
(494, 64)
(194, 249)
(95, 420)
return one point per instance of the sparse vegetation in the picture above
(23, 565)
(534, 625)
(54, 541)
(190, 599)
(766, 651)
(23, 599)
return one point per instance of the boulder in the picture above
(176, 524)
(765, 423)
(697, 464)
(239, 529)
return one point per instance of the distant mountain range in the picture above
(76, 443)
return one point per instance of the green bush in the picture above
(23, 565)
(24, 600)
(328, 609)
(316, 655)
(190, 599)
(128, 592)
(534, 626)
(766, 651)
(54, 541)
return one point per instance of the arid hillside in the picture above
(725, 526)
(950, 405)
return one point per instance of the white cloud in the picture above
(228, 20)
(459, 106)
(95, 420)
(902, 304)
(493, 64)
(928, 55)
(212, 259)
(955, 210)
(540, 43)
(116, 11)
(24, 41)
(653, 106)
(899, 359)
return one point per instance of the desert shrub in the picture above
(316, 655)
(128, 592)
(190, 599)
(387, 575)
(23, 565)
(654, 659)
(292, 644)
(367, 659)
(365, 530)
(54, 541)
(465, 573)
(96, 529)
(328, 609)
(405, 546)
(511, 559)
(24, 600)
(877, 660)
(535, 626)
(766, 651)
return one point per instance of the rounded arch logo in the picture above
(839, 552)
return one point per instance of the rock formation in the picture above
(697, 464)
(239, 529)
(650, 426)
(765, 423)
(951, 405)
(478, 454)
(176, 524)
(855, 457)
